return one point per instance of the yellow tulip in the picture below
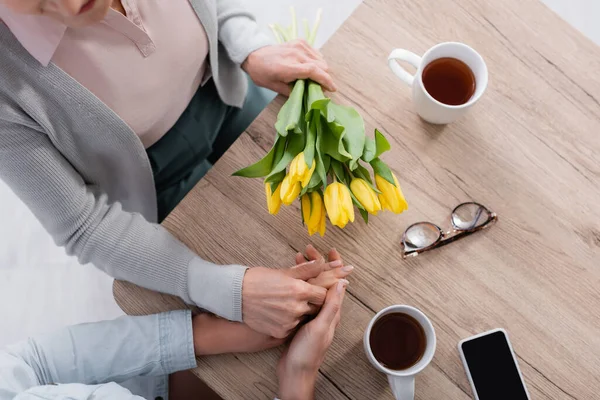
(391, 196)
(313, 213)
(289, 190)
(338, 204)
(323, 222)
(273, 198)
(365, 195)
(299, 171)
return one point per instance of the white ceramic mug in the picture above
(427, 107)
(402, 382)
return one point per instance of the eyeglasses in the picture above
(467, 218)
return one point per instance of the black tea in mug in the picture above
(398, 341)
(449, 81)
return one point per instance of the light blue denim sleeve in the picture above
(111, 351)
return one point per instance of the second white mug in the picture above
(402, 382)
(427, 107)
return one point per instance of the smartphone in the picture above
(492, 367)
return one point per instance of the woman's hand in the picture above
(214, 335)
(327, 278)
(275, 67)
(275, 301)
(298, 367)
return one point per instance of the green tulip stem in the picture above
(276, 33)
(313, 34)
(294, 29)
(306, 28)
(349, 171)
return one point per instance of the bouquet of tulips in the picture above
(319, 156)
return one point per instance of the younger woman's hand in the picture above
(299, 365)
(214, 335)
(326, 279)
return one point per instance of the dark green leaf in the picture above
(363, 173)
(295, 144)
(275, 180)
(322, 159)
(264, 166)
(311, 135)
(364, 214)
(339, 171)
(290, 114)
(382, 144)
(380, 168)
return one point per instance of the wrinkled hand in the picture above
(327, 278)
(214, 335)
(298, 367)
(274, 301)
(276, 66)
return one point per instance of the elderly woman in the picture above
(112, 110)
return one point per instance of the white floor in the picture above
(41, 289)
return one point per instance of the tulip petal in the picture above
(289, 190)
(347, 203)
(308, 174)
(305, 201)
(273, 199)
(365, 195)
(332, 203)
(322, 223)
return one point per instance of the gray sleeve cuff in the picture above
(217, 288)
(176, 341)
(241, 36)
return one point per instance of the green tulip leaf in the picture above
(265, 165)
(363, 173)
(333, 144)
(316, 180)
(315, 98)
(295, 144)
(311, 136)
(370, 150)
(323, 160)
(381, 144)
(364, 214)
(290, 115)
(275, 180)
(353, 136)
(380, 168)
(339, 171)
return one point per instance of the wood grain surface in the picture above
(529, 150)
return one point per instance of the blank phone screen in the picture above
(493, 369)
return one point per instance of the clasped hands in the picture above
(275, 303)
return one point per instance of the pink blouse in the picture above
(146, 66)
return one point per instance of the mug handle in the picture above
(403, 55)
(403, 387)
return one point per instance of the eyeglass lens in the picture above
(469, 216)
(421, 235)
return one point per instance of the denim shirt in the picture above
(127, 358)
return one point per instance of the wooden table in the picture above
(530, 150)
